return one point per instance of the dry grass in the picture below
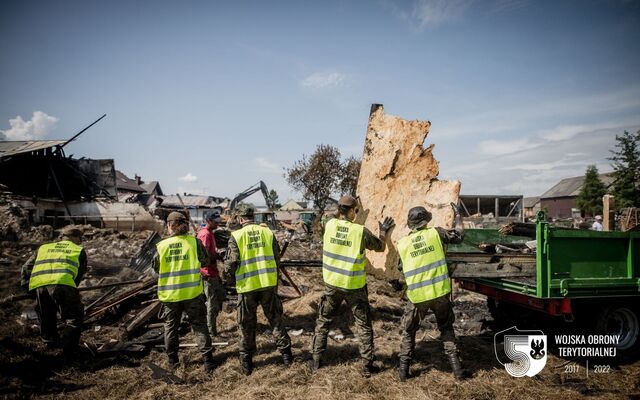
(30, 370)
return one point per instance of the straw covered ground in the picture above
(28, 369)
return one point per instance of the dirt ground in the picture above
(28, 369)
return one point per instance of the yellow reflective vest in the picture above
(424, 265)
(257, 268)
(56, 264)
(342, 255)
(179, 278)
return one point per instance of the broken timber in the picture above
(19, 297)
(478, 265)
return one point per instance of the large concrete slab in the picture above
(398, 173)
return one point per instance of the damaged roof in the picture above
(190, 201)
(124, 183)
(13, 147)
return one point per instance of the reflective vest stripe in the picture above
(342, 258)
(257, 267)
(179, 273)
(55, 271)
(428, 282)
(256, 259)
(56, 264)
(268, 270)
(343, 271)
(342, 255)
(424, 265)
(179, 285)
(425, 268)
(179, 277)
(57, 261)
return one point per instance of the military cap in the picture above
(418, 217)
(245, 210)
(71, 231)
(176, 216)
(347, 201)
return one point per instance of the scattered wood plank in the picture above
(492, 270)
(19, 297)
(145, 315)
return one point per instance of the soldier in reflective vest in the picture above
(343, 263)
(252, 262)
(54, 273)
(180, 288)
(423, 263)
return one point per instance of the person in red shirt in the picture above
(213, 288)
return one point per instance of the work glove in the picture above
(456, 209)
(385, 225)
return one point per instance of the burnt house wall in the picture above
(45, 176)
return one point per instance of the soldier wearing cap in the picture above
(54, 272)
(252, 262)
(422, 261)
(213, 288)
(343, 263)
(180, 289)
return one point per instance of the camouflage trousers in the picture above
(215, 294)
(358, 301)
(66, 299)
(196, 311)
(248, 319)
(414, 313)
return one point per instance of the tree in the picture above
(273, 202)
(626, 167)
(590, 197)
(317, 176)
(323, 175)
(350, 173)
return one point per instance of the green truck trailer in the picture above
(589, 279)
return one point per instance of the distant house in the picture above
(292, 205)
(198, 206)
(152, 188)
(560, 200)
(531, 206)
(126, 185)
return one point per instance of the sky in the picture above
(211, 97)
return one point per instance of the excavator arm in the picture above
(260, 186)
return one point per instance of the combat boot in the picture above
(209, 363)
(173, 360)
(287, 357)
(246, 362)
(403, 370)
(457, 369)
(368, 368)
(315, 363)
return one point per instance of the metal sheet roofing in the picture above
(13, 147)
(190, 201)
(570, 187)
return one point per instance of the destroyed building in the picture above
(198, 206)
(486, 211)
(56, 189)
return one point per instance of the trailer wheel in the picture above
(624, 321)
(504, 314)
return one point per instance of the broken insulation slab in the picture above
(398, 173)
